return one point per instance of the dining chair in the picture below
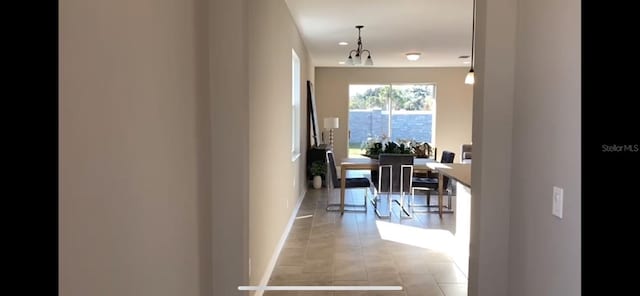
(431, 184)
(349, 183)
(465, 153)
(395, 173)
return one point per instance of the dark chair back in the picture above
(396, 161)
(447, 157)
(332, 169)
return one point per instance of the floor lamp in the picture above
(331, 123)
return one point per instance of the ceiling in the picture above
(439, 29)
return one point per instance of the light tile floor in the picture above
(361, 249)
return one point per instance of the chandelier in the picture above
(357, 58)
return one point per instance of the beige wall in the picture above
(492, 126)
(134, 171)
(147, 96)
(526, 140)
(453, 99)
(229, 93)
(545, 251)
(276, 182)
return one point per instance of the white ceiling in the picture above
(439, 29)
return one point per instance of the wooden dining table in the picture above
(356, 163)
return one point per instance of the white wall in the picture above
(276, 183)
(453, 100)
(134, 174)
(545, 252)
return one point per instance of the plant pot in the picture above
(317, 182)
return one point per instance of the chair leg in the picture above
(413, 205)
(412, 201)
(375, 206)
(336, 206)
(389, 203)
(366, 197)
(401, 203)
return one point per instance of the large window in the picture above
(295, 105)
(392, 111)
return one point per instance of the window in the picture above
(295, 105)
(393, 111)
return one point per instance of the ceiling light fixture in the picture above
(343, 43)
(357, 58)
(413, 56)
(471, 79)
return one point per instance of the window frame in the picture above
(295, 105)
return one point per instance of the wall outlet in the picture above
(557, 202)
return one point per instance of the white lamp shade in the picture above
(349, 61)
(470, 79)
(369, 61)
(357, 60)
(331, 122)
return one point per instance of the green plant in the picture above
(393, 147)
(318, 168)
(374, 149)
(422, 150)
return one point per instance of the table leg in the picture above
(440, 197)
(343, 185)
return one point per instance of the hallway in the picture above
(359, 249)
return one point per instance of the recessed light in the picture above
(343, 43)
(413, 56)
(466, 62)
(341, 62)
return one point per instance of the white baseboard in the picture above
(274, 257)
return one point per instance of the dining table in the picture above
(363, 163)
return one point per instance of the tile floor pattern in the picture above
(327, 249)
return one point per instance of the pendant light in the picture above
(359, 51)
(471, 79)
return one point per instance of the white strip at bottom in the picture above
(320, 288)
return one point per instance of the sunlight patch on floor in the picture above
(433, 239)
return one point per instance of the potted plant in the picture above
(318, 169)
(373, 148)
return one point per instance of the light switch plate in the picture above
(557, 202)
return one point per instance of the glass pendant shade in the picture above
(357, 60)
(470, 79)
(369, 61)
(349, 61)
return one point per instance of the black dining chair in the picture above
(349, 183)
(431, 184)
(395, 173)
